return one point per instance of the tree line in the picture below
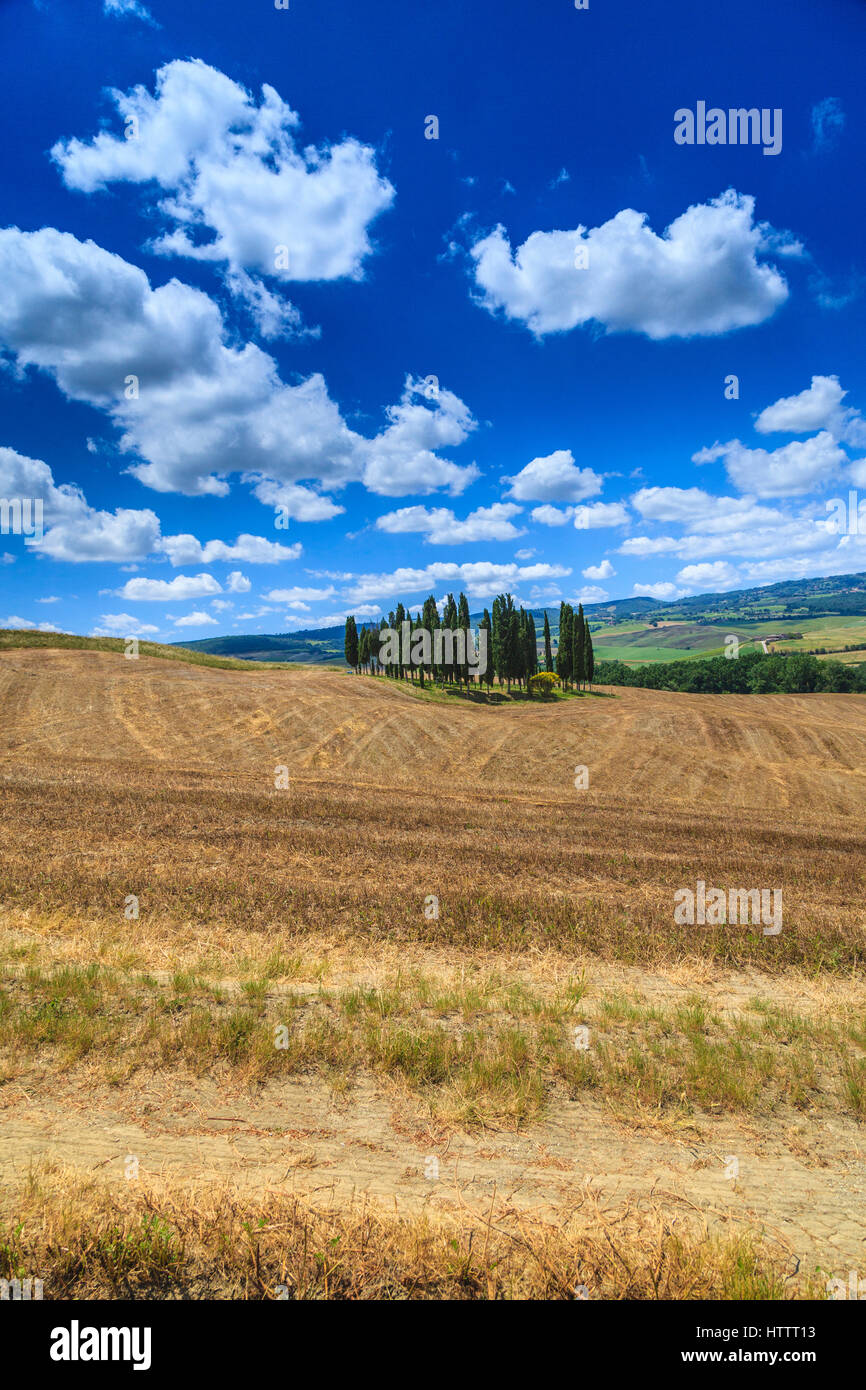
(751, 673)
(512, 646)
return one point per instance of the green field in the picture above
(838, 631)
(637, 642)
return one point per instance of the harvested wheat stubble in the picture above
(156, 779)
(162, 775)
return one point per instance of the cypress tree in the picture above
(464, 624)
(485, 625)
(400, 617)
(564, 654)
(390, 670)
(350, 644)
(391, 622)
(531, 649)
(496, 640)
(518, 628)
(590, 657)
(414, 624)
(578, 663)
(430, 621)
(509, 639)
(449, 620)
(515, 629)
(548, 654)
(560, 653)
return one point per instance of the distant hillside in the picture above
(12, 639)
(315, 645)
(835, 595)
(831, 594)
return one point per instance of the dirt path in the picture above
(801, 1182)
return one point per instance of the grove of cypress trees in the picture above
(511, 643)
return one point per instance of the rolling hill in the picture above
(434, 916)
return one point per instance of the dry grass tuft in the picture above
(179, 1243)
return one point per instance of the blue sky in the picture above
(270, 355)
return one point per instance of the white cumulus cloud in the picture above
(298, 594)
(715, 576)
(603, 571)
(554, 478)
(195, 619)
(158, 590)
(232, 169)
(191, 408)
(442, 527)
(663, 590)
(594, 515)
(255, 550)
(552, 516)
(122, 625)
(819, 407)
(483, 579)
(789, 471)
(703, 276)
(75, 531)
(27, 625)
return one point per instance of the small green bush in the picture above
(543, 684)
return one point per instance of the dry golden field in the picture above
(431, 1124)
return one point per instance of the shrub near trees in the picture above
(543, 684)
